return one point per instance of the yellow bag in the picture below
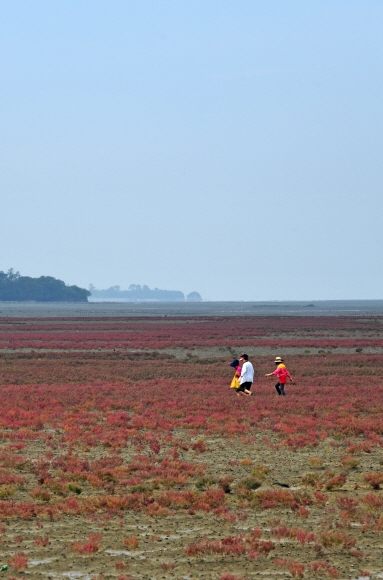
(235, 384)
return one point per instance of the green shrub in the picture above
(203, 483)
(74, 488)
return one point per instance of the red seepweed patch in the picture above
(113, 438)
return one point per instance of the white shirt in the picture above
(247, 373)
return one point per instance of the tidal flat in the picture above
(124, 454)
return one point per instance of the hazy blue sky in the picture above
(229, 147)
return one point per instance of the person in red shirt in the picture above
(283, 374)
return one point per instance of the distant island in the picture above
(16, 288)
(137, 293)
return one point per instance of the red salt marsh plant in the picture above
(320, 498)
(155, 510)
(295, 568)
(359, 553)
(120, 565)
(199, 446)
(43, 542)
(372, 501)
(335, 482)
(204, 331)
(375, 480)
(227, 576)
(110, 414)
(321, 567)
(302, 536)
(206, 501)
(347, 504)
(258, 547)
(150, 417)
(358, 448)
(232, 546)
(19, 561)
(302, 512)
(299, 441)
(90, 546)
(131, 543)
(167, 566)
(7, 478)
(332, 539)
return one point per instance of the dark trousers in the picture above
(244, 386)
(280, 388)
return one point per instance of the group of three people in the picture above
(244, 376)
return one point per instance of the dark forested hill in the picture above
(16, 288)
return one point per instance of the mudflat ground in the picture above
(124, 454)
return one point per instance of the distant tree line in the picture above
(139, 293)
(16, 288)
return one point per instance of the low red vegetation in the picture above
(375, 480)
(131, 543)
(238, 545)
(302, 536)
(295, 568)
(321, 567)
(44, 542)
(85, 408)
(19, 561)
(155, 333)
(90, 546)
(228, 576)
(270, 498)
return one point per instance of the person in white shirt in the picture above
(247, 376)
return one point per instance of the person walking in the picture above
(237, 367)
(283, 374)
(247, 376)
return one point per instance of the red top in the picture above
(282, 373)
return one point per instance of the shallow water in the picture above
(132, 309)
